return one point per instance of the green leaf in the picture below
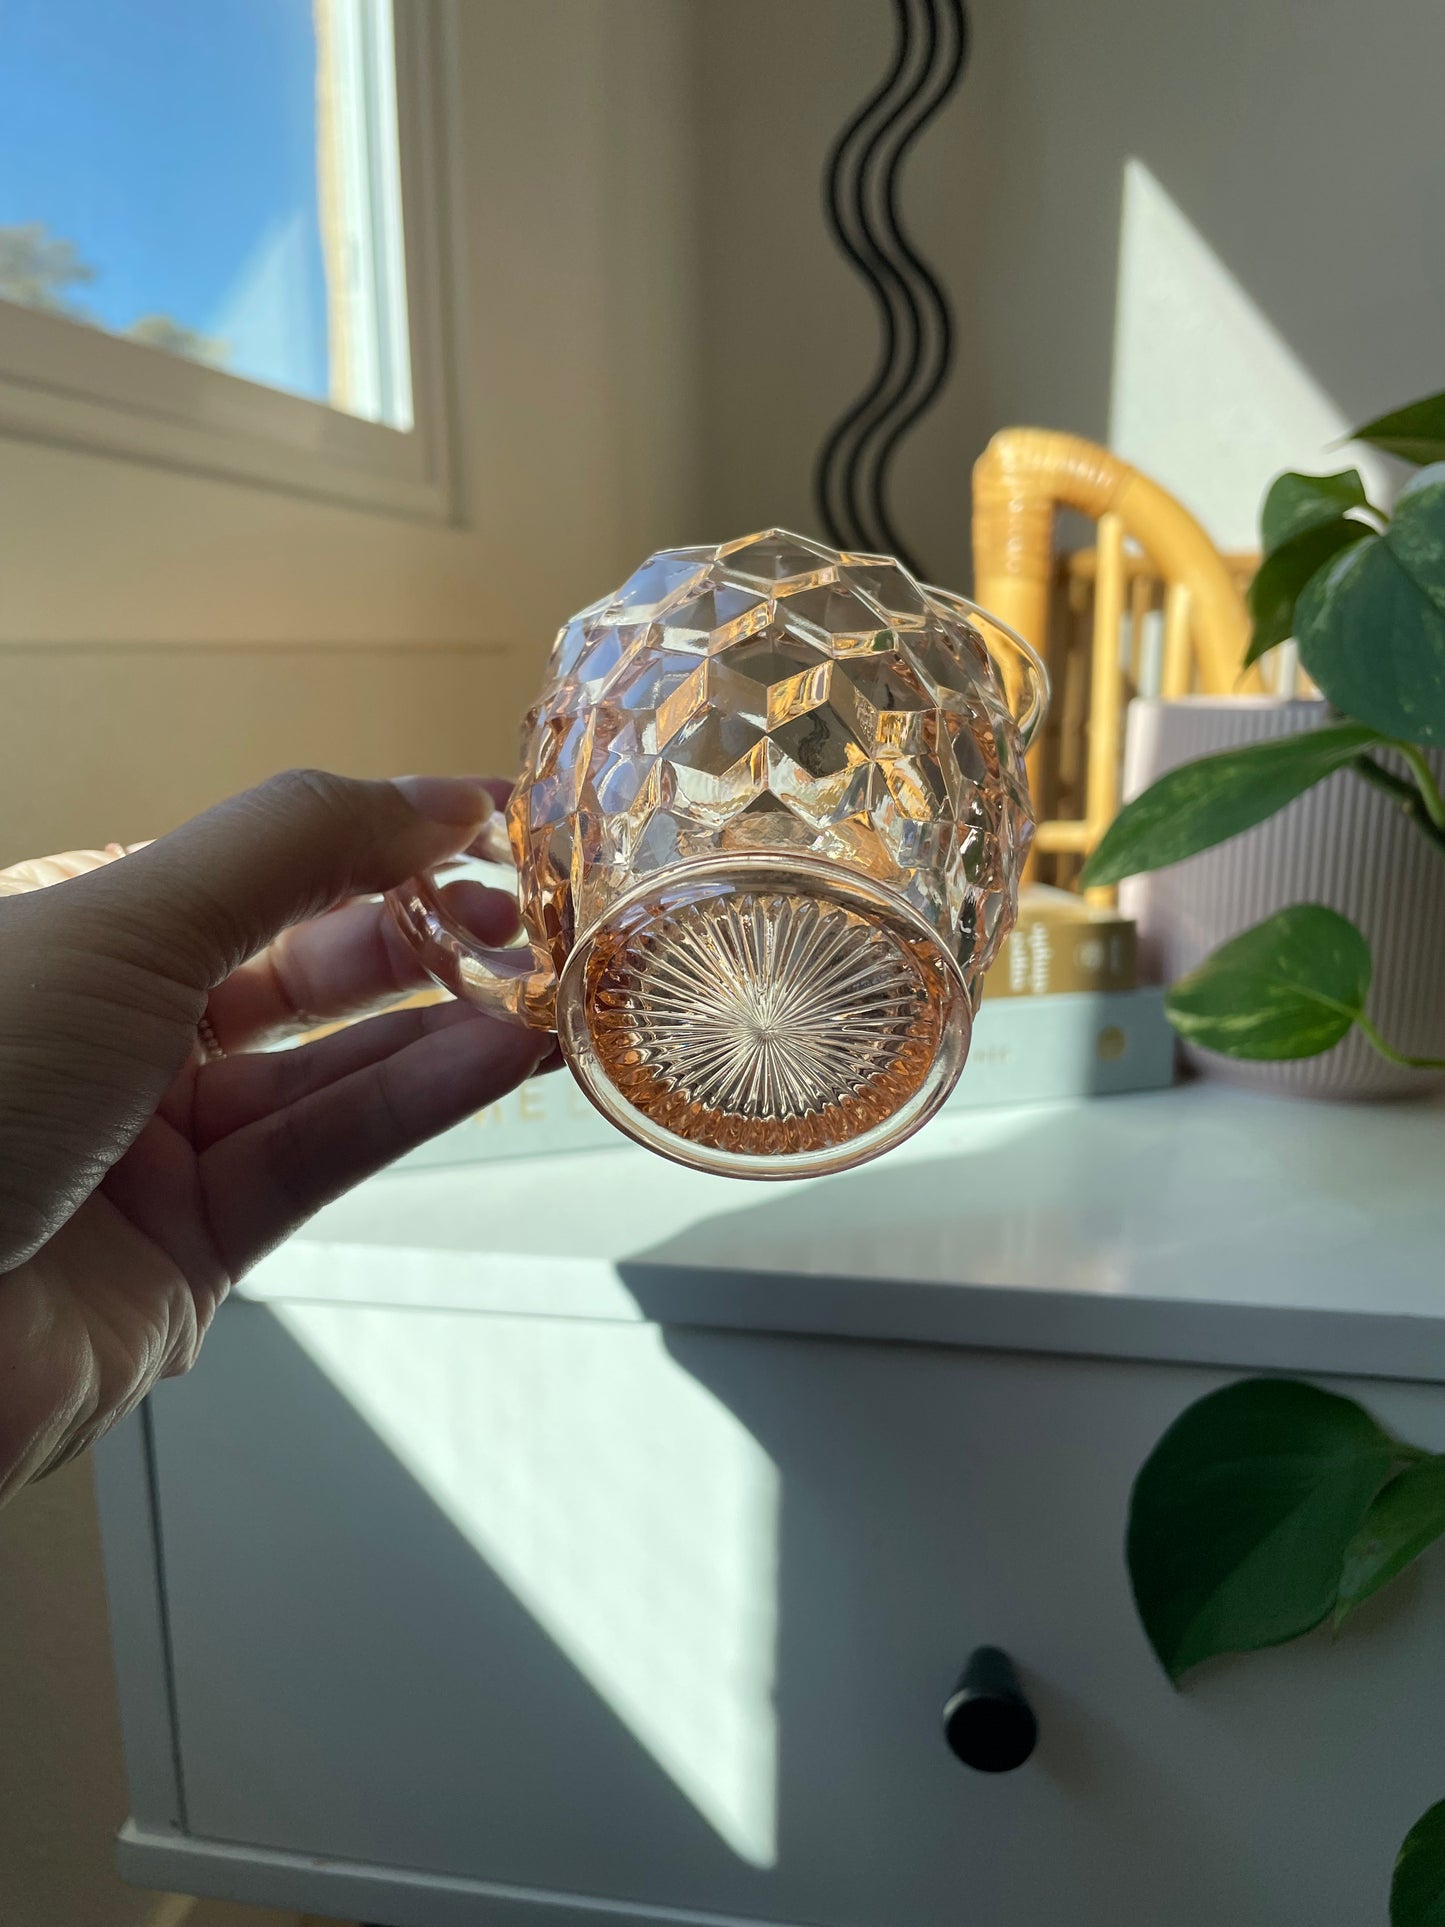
(1280, 578)
(1206, 802)
(1290, 987)
(1417, 1892)
(1241, 1514)
(1371, 624)
(1296, 504)
(1407, 1516)
(1416, 433)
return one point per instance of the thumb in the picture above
(196, 903)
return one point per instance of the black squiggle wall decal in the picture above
(915, 321)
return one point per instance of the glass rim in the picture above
(1041, 684)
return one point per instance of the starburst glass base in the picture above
(762, 1024)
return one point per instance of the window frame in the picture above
(70, 385)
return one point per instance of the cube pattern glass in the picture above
(771, 694)
(768, 831)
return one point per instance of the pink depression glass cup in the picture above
(768, 833)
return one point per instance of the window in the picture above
(219, 238)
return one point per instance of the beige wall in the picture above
(61, 1791)
(1299, 142)
(166, 639)
(123, 740)
(62, 1786)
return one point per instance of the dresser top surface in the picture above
(1198, 1223)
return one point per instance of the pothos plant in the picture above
(1272, 1506)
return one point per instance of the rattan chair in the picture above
(1151, 555)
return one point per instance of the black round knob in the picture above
(986, 1718)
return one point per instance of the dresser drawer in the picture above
(669, 1616)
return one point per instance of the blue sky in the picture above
(174, 143)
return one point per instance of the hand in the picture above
(138, 1177)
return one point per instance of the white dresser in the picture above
(581, 1540)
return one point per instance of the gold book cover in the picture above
(1061, 943)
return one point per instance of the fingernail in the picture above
(447, 799)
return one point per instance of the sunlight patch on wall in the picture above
(625, 1506)
(1206, 396)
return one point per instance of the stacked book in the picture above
(1063, 1016)
(1062, 944)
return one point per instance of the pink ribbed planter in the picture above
(1341, 844)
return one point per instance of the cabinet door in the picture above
(670, 1617)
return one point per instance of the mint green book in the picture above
(1026, 1050)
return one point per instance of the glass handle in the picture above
(512, 983)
